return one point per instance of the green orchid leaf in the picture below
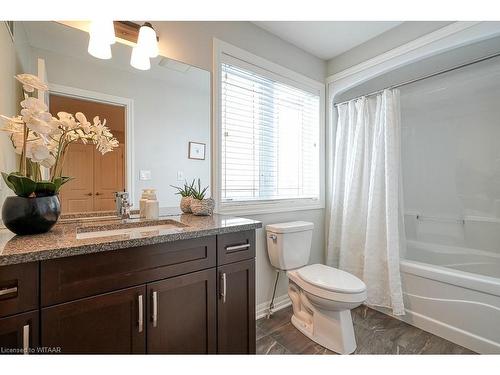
(45, 188)
(21, 185)
(60, 181)
(9, 184)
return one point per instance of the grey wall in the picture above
(191, 42)
(384, 42)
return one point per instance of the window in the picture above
(270, 132)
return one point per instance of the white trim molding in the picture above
(129, 125)
(280, 303)
(224, 51)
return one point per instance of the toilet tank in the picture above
(289, 244)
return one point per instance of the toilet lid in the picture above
(331, 279)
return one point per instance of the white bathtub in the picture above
(453, 292)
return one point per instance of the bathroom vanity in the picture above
(184, 284)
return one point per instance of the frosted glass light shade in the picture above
(102, 31)
(140, 59)
(99, 49)
(147, 40)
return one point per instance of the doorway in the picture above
(96, 176)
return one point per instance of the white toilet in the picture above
(322, 296)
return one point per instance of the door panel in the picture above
(108, 178)
(186, 314)
(18, 332)
(78, 195)
(105, 324)
(96, 176)
(236, 308)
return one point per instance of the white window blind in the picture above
(270, 138)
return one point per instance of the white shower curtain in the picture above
(365, 237)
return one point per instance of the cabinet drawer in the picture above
(233, 247)
(81, 276)
(18, 288)
(19, 333)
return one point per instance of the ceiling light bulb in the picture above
(140, 59)
(99, 49)
(102, 31)
(147, 40)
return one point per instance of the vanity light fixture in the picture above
(147, 40)
(146, 47)
(101, 37)
(140, 58)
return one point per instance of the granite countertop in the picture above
(62, 240)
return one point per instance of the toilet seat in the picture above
(357, 294)
(330, 278)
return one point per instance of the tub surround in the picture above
(62, 240)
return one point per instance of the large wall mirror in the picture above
(160, 116)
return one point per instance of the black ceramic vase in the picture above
(30, 215)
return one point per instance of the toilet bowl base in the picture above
(336, 335)
(315, 318)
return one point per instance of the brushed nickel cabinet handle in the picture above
(155, 309)
(141, 317)
(224, 286)
(4, 292)
(26, 338)
(238, 247)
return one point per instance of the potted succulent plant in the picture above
(42, 140)
(199, 205)
(185, 193)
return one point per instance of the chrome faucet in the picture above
(122, 204)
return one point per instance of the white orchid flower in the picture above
(37, 151)
(31, 82)
(85, 125)
(67, 120)
(34, 104)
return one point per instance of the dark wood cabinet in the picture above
(110, 323)
(182, 314)
(18, 288)
(192, 296)
(236, 308)
(19, 333)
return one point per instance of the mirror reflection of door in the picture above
(96, 176)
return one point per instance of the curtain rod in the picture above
(425, 77)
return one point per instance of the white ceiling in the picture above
(326, 39)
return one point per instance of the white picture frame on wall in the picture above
(196, 151)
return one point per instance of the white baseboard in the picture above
(279, 303)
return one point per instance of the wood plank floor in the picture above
(376, 333)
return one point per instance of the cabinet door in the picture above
(107, 323)
(236, 308)
(19, 333)
(182, 314)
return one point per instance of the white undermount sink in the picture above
(130, 230)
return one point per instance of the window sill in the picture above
(267, 208)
